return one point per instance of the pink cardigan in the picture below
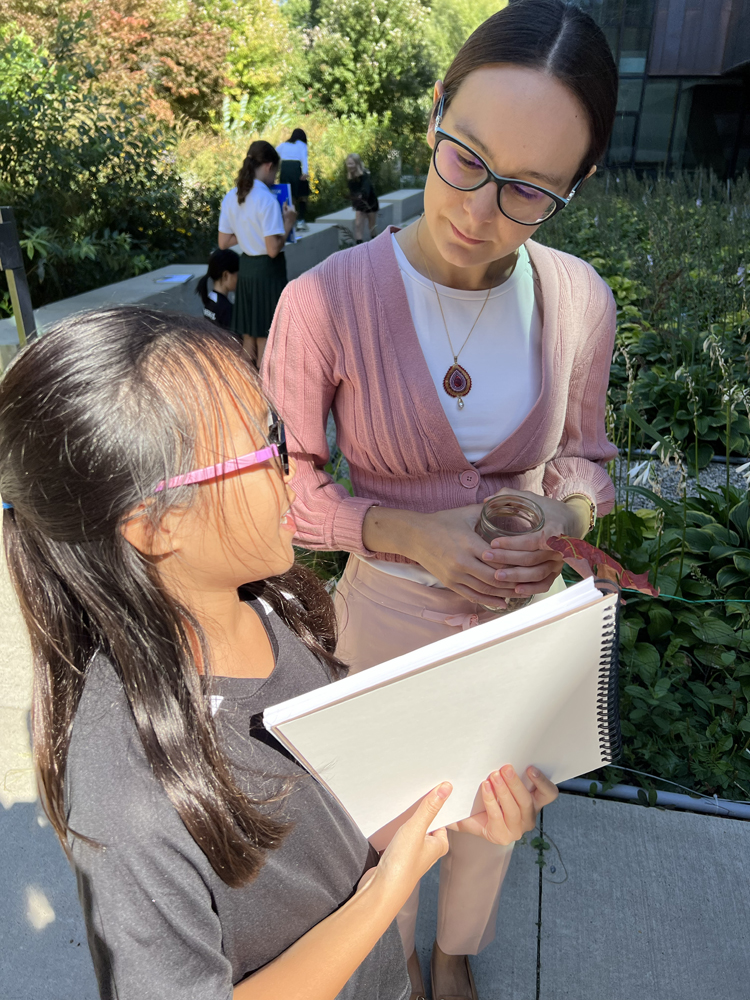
(343, 340)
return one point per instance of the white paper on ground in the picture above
(381, 739)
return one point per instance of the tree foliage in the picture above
(450, 24)
(370, 57)
(92, 178)
(171, 54)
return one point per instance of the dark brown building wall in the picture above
(699, 37)
(737, 50)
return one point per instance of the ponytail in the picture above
(260, 152)
(219, 262)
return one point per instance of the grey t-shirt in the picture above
(161, 923)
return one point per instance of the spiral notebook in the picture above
(538, 686)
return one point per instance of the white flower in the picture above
(698, 202)
(650, 260)
(636, 469)
(641, 474)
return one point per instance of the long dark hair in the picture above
(558, 38)
(92, 416)
(219, 262)
(298, 135)
(260, 152)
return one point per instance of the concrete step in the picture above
(407, 203)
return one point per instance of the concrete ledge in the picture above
(146, 288)
(318, 242)
(345, 219)
(313, 246)
(406, 204)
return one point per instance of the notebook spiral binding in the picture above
(608, 700)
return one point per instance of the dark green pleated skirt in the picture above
(260, 283)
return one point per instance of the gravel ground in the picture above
(665, 481)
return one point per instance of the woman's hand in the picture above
(510, 808)
(523, 563)
(413, 851)
(445, 543)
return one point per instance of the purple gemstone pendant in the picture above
(457, 382)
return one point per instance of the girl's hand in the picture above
(510, 808)
(413, 850)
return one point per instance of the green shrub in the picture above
(676, 253)
(685, 657)
(92, 179)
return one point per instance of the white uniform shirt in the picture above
(257, 217)
(294, 151)
(503, 356)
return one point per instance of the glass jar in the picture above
(505, 516)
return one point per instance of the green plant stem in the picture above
(728, 448)
(658, 557)
(630, 439)
(684, 532)
(695, 427)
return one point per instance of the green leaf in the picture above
(742, 562)
(699, 539)
(660, 621)
(647, 660)
(715, 631)
(661, 687)
(728, 576)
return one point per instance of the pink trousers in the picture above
(382, 616)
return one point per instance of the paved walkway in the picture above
(632, 904)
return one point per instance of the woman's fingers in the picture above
(527, 574)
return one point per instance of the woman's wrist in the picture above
(578, 515)
(386, 529)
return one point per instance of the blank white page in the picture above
(530, 699)
(577, 596)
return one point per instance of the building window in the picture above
(655, 125)
(621, 145)
(629, 94)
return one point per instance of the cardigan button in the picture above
(469, 479)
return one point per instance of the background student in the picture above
(251, 217)
(362, 194)
(156, 581)
(223, 268)
(295, 171)
(460, 358)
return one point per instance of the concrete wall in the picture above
(345, 218)
(171, 288)
(407, 204)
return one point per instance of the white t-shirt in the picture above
(503, 356)
(257, 217)
(294, 151)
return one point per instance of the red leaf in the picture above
(587, 560)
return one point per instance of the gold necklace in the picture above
(457, 381)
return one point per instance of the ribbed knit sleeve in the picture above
(583, 451)
(298, 376)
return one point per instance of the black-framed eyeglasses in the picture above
(463, 168)
(277, 436)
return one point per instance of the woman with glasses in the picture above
(461, 358)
